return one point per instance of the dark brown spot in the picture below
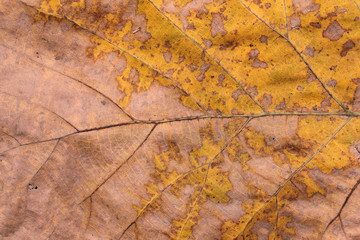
(316, 25)
(267, 5)
(346, 47)
(167, 44)
(233, 44)
(356, 80)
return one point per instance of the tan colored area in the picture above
(179, 119)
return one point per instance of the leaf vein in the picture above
(209, 55)
(300, 55)
(293, 174)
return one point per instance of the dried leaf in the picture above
(171, 119)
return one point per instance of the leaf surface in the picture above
(179, 119)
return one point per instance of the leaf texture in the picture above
(179, 119)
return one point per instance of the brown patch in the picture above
(334, 31)
(332, 83)
(305, 6)
(257, 2)
(264, 39)
(191, 27)
(268, 5)
(262, 229)
(167, 44)
(281, 106)
(309, 51)
(326, 103)
(253, 91)
(259, 64)
(217, 26)
(266, 100)
(203, 70)
(233, 44)
(311, 77)
(221, 79)
(193, 67)
(340, 10)
(167, 56)
(346, 47)
(181, 59)
(235, 95)
(294, 22)
(197, 7)
(253, 53)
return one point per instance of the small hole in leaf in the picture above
(30, 186)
